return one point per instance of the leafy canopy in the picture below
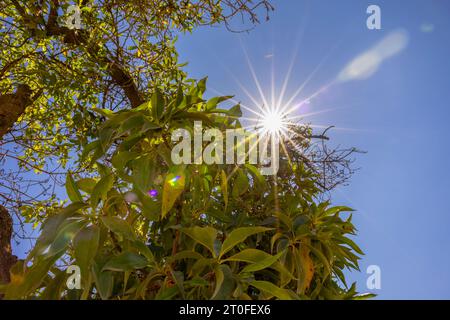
(214, 232)
(105, 100)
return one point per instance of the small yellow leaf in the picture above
(307, 266)
(224, 187)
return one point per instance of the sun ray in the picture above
(316, 126)
(290, 68)
(237, 102)
(310, 114)
(270, 114)
(272, 79)
(251, 98)
(299, 39)
(247, 93)
(251, 119)
(241, 86)
(300, 89)
(316, 69)
(247, 139)
(315, 94)
(250, 109)
(252, 71)
(283, 146)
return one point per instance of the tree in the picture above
(52, 75)
(103, 102)
(143, 228)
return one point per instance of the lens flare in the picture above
(174, 180)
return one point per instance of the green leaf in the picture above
(66, 233)
(235, 111)
(119, 226)
(255, 256)
(201, 86)
(272, 289)
(238, 235)
(104, 281)
(213, 102)
(263, 263)
(56, 286)
(92, 146)
(87, 184)
(25, 283)
(101, 189)
(256, 173)
(105, 138)
(321, 257)
(132, 123)
(142, 172)
(240, 185)
(144, 250)
(103, 169)
(150, 208)
(167, 293)
(172, 189)
(201, 116)
(104, 112)
(196, 282)
(333, 210)
(206, 236)
(72, 189)
(350, 243)
(199, 265)
(249, 255)
(364, 296)
(85, 246)
(186, 254)
(224, 187)
(149, 125)
(126, 261)
(52, 225)
(157, 102)
(130, 141)
(225, 283)
(120, 159)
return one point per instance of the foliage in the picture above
(203, 232)
(122, 53)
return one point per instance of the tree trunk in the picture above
(12, 106)
(7, 259)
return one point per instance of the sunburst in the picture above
(274, 112)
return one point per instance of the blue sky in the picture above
(399, 114)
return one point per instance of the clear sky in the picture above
(394, 104)
(387, 92)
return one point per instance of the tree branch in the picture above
(81, 37)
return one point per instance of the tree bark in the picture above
(7, 259)
(12, 106)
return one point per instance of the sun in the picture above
(272, 113)
(273, 122)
